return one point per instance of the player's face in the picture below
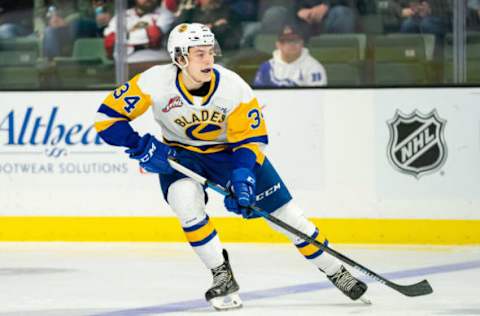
(201, 59)
(290, 49)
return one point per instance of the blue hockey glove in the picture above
(152, 155)
(242, 188)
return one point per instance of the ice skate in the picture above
(223, 295)
(349, 285)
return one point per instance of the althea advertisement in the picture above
(389, 153)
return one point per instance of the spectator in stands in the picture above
(271, 20)
(94, 24)
(365, 7)
(473, 16)
(425, 17)
(61, 22)
(390, 12)
(322, 16)
(244, 10)
(147, 23)
(474, 5)
(16, 18)
(171, 5)
(217, 16)
(291, 65)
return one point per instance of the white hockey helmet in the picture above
(187, 35)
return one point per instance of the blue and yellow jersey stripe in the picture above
(201, 233)
(120, 107)
(205, 149)
(310, 251)
(188, 96)
(215, 148)
(246, 128)
(255, 148)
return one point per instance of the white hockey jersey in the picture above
(227, 118)
(306, 71)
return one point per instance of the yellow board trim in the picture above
(168, 229)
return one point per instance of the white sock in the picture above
(327, 263)
(187, 199)
(204, 240)
(210, 253)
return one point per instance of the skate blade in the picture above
(223, 303)
(365, 300)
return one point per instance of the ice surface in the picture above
(130, 279)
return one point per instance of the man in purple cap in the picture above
(291, 64)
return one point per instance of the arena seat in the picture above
(265, 42)
(342, 55)
(88, 67)
(400, 59)
(247, 62)
(18, 58)
(85, 51)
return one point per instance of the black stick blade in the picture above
(417, 289)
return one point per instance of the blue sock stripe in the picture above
(306, 243)
(205, 240)
(317, 253)
(197, 226)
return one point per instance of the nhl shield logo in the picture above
(417, 145)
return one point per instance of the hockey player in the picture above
(211, 123)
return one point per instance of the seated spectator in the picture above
(147, 23)
(16, 18)
(473, 15)
(322, 16)
(390, 12)
(271, 21)
(95, 23)
(245, 10)
(171, 5)
(365, 7)
(217, 16)
(61, 22)
(425, 17)
(291, 65)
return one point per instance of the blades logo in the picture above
(175, 102)
(417, 145)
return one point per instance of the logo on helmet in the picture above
(182, 28)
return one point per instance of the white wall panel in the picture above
(330, 146)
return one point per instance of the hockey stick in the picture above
(417, 289)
